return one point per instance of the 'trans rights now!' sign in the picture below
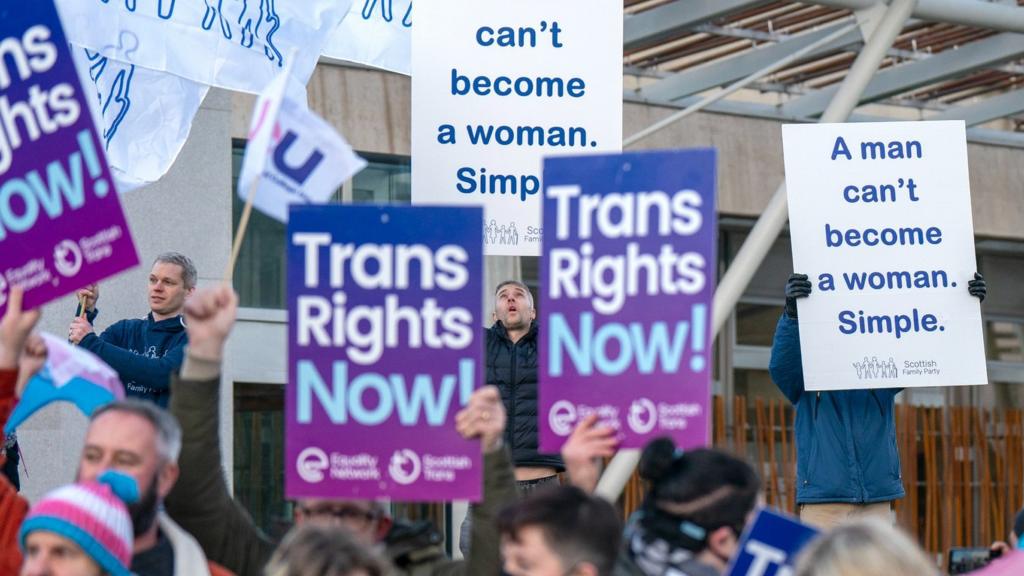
(384, 348)
(627, 274)
(61, 223)
(880, 221)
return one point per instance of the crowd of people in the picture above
(150, 497)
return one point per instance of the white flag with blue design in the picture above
(376, 33)
(145, 115)
(233, 44)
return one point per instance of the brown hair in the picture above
(314, 550)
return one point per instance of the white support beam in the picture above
(947, 64)
(655, 25)
(719, 73)
(1003, 17)
(987, 110)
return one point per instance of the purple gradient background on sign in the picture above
(667, 171)
(430, 226)
(95, 214)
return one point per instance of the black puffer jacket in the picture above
(513, 369)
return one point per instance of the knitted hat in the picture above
(94, 516)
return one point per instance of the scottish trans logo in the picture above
(405, 466)
(643, 416)
(67, 258)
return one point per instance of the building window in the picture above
(260, 270)
(755, 323)
(1005, 340)
(385, 180)
(259, 456)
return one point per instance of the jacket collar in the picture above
(500, 331)
(175, 324)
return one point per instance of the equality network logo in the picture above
(562, 417)
(875, 369)
(311, 464)
(405, 466)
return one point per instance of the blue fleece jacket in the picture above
(845, 440)
(143, 352)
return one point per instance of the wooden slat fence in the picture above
(963, 467)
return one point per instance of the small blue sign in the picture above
(770, 545)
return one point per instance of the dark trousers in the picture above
(523, 487)
(10, 469)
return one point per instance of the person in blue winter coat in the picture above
(143, 351)
(848, 463)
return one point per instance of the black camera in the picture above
(965, 560)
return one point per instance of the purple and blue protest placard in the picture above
(384, 349)
(770, 545)
(627, 277)
(61, 223)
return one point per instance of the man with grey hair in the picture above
(142, 440)
(144, 351)
(510, 364)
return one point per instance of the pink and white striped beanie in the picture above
(93, 515)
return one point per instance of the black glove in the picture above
(798, 286)
(977, 287)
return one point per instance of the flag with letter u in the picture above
(293, 155)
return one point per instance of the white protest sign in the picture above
(880, 221)
(496, 86)
(376, 33)
(233, 44)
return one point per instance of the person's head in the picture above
(318, 550)
(81, 529)
(171, 280)
(699, 500)
(140, 439)
(513, 305)
(560, 531)
(864, 547)
(366, 520)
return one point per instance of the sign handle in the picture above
(243, 225)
